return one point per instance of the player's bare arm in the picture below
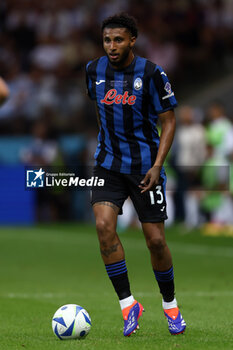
(4, 91)
(168, 126)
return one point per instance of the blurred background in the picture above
(49, 121)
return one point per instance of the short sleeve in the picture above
(89, 84)
(162, 95)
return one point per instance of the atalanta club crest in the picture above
(137, 83)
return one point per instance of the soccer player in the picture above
(4, 91)
(131, 94)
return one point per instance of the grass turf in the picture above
(44, 267)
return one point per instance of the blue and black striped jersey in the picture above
(128, 103)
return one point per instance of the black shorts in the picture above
(150, 205)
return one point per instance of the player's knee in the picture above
(105, 230)
(156, 244)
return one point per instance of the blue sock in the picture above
(118, 274)
(165, 281)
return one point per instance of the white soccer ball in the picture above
(71, 321)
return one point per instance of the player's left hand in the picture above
(150, 180)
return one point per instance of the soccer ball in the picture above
(71, 321)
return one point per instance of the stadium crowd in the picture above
(44, 47)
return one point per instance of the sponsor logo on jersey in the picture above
(100, 82)
(168, 87)
(118, 83)
(112, 97)
(137, 84)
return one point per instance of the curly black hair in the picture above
(121, 20)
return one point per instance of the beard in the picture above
(121, 59)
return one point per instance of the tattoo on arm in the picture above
(109, 251)
(108, 204)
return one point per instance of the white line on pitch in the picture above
(192, 294)
(38, 296)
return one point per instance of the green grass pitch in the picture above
(44, 267)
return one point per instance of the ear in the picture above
(132, 41)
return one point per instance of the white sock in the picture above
(126, 302)
(169, 305)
